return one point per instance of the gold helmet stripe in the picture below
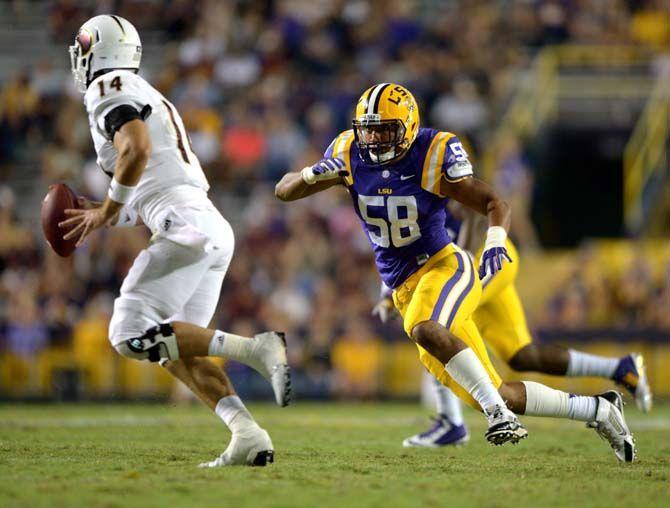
(375, 96)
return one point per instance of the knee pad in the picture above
(157, 344)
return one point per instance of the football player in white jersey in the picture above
(170, 294)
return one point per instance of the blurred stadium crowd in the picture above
(263, 87)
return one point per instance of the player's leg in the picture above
(160, 282)
(265, 352)
(434, 301)
(502, 322)
(250, 444)
(448, 426)
(603, 412)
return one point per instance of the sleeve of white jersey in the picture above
(109, 91)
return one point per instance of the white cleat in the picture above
(269, 359)
(249, 448)
(611, 425)
(504, 426)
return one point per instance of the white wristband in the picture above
(118, 192)
(496, 236)
(308, 175)
(127, 218)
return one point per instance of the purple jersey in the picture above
(452, 224)
(400, 204)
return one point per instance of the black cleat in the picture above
(504, 427)
(264, 458)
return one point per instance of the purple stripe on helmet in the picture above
(463, 293)
(446, 289)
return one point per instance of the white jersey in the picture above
(173, 174)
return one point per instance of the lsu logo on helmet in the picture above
(386, 123)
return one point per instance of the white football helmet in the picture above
(104, 42)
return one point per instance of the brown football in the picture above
(59, 198)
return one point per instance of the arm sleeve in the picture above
(121, 115)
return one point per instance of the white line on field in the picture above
(638, 423)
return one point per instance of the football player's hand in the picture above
(325, 169)
(83, 222)
(384, 309)
(495, 253)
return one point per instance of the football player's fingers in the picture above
(74, 211)
(330, 164)
(74, 231)
(498, 261)
(338, 162)
(343, 172)
(71, 221)
(509, 259)
(84, 234)
(482, 270)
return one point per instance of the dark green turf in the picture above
(326, 455)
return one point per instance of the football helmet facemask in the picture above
(103, 43)
(386, 123)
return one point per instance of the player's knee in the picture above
(425, 334)
(432, 336)
(157, 344)
(127, 352)
(525, 359)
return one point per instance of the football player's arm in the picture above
(292, 187)
(133, 147)
(481, 198)
(324, 174)
(473, 226)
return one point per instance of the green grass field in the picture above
(326, 455)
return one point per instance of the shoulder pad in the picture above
(340, 148)
(446, 158)
(111, 90)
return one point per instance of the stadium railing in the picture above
(646, 158)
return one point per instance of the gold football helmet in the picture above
(386, 123)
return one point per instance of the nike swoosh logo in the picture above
(406, 177)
